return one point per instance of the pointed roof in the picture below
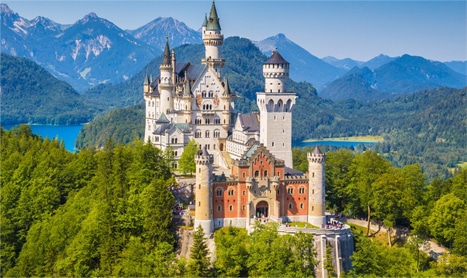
(317, 151)
(166, 58)
(205, 22)
(227, 90)
(146, 80)
(276, 58)
(162, 119)
(213, 23)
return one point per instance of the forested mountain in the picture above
(30, 94)
(403, 75)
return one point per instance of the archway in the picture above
(221, 147)
(262, 209)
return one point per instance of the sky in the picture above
(361, 30)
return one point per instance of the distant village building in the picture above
(195, 102)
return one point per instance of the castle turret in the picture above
(213, 40)
(187, 100)
(226, 100)
(203, 205)
(165, 82)
(316, 191)
(275, 106)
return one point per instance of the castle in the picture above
(188, 102)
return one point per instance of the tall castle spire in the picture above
(213, 40)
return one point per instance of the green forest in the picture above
(108, 212)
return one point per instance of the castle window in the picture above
(207, 133)
(219, 192)
(301, 205)
(231, 208)
(243, 192)
(313, 174)
(199, 204)
(265, 174)
(312, 191)
(301, 190)
(217, 134)
(290, 206)
(219, 208)
(244, 174)
(272, 144)
(312, 208)
(243, 207)
(278, 192)
(256, 173)
(290, 190)
(230, 192)
(156, 138)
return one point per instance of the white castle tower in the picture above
(316, 191)
(165, 81)
(275, 106)
(203, 191)
(213, 40)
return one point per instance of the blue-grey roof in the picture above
(249, 121)
(250, 152)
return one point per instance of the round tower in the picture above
(226, 99)
(275, 73)
(213, 40)
(316, 190)
(203, 205)
(165, 81)
(275, 107)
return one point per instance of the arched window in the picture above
(290, 206)
(219, 192)
(290, 190)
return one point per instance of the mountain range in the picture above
(95, 51)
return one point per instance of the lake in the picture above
(65, 133)
(332, 143)
(69, 133)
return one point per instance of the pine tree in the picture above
(199, 265)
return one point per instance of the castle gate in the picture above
(262, 209)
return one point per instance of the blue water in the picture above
(65, 133)
(333, 143)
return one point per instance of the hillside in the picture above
(30, 94)
(403, 75)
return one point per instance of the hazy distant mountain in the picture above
(459, 66)
(346, 64)
(358, 83)
(154, 33)
(306, 67)
(403, 75)
(378, 61)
